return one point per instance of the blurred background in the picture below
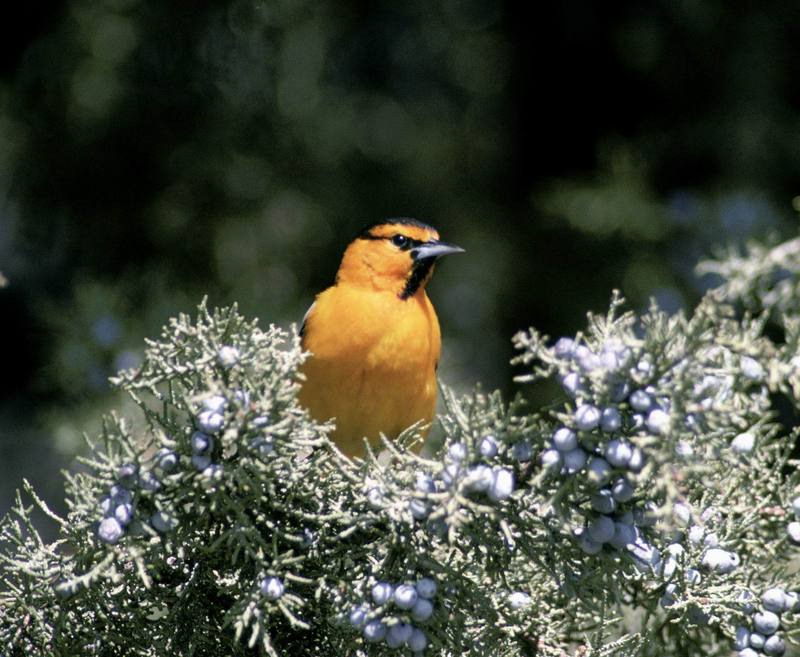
(153, 152)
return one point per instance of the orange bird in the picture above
(374, 336)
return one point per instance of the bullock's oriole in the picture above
(374, 336)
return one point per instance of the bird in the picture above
(373, 337)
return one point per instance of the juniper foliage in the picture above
(649, 510)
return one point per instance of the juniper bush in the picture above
(650, 509)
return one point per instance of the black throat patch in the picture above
(419, 272)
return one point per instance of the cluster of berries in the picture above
(210, 421)
(621, 531)
(567, 456)
(631, 384)
(495, 481)
(413, 602)
(613, 364)
(593, 442)
(117, 509)
(614, 488)
(713, 560)
(118, 505)
(166, 462)
(762, 637)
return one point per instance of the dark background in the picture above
(154, 152)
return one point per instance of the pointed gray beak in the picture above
(434, 249)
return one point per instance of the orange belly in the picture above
(373, 364)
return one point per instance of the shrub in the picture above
(650, 509)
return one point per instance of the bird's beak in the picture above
(434, 249)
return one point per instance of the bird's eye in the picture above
(400, 241)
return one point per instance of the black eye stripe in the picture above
(409, 243)
(403, 242)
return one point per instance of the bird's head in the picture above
(394, 255)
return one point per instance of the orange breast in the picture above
(373, 363)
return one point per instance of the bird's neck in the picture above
(370, 279)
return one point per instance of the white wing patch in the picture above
(305, 319)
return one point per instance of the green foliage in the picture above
(221, 520)
(761, 278)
